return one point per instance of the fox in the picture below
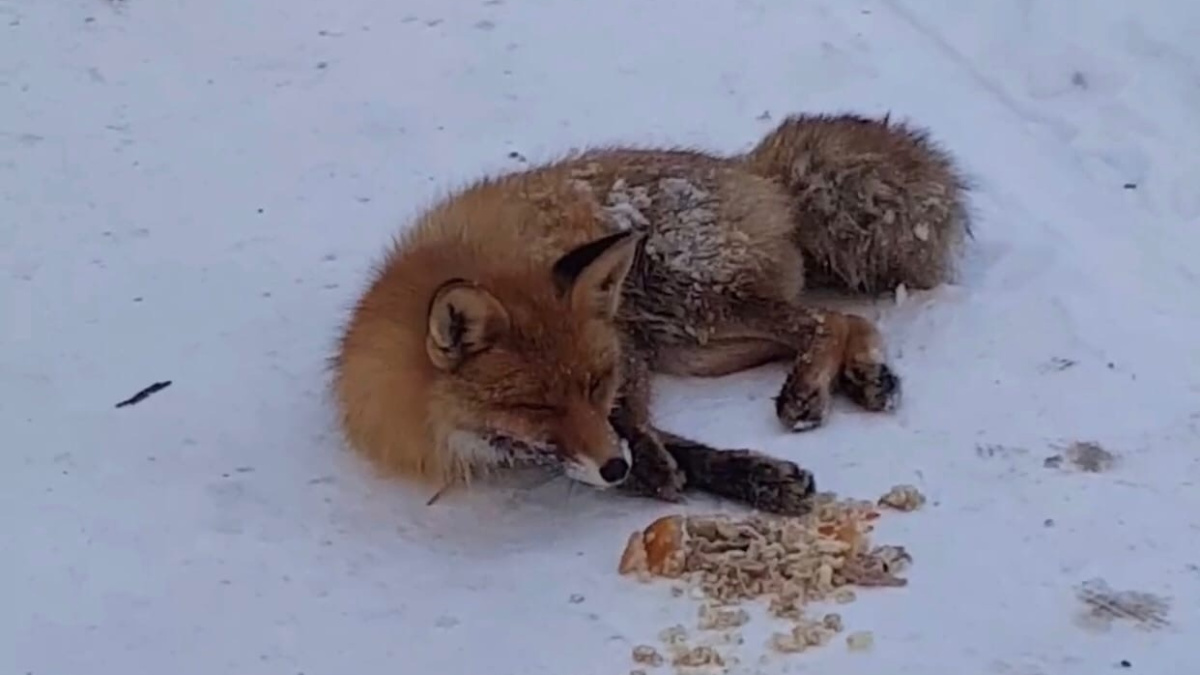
(520, 319)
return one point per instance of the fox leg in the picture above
(654, 472)
(664, 463)
(866, 378)
(757, 480)
(833, 351)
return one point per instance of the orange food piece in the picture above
(657, 550)
(633, 559)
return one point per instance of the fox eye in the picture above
(537, 408)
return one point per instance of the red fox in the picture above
(519, 320)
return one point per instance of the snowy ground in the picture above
(194, 191)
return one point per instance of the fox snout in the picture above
(590, 453)
(608, 470)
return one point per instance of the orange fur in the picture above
(395, 405)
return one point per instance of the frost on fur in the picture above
(877, 203)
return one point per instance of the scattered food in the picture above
(893, 558)
(860, 641)
(714, 617)
(789, 562)
(807, 633)
(144, 394)
(903, 498)
(844, 596)
(741, 559)
(786, 643)
(647, 655)
(675, 635)
(701, 655)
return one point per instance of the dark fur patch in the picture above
(437, 291)
(752, 478)
(458, 326)
(458, 323)
(568, 268)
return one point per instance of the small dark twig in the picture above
(145, 393)
(441, 491)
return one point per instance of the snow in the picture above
(195, 192)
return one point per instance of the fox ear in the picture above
(464, 320)
(593, 273)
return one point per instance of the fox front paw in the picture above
(654, 473)
(765, 483)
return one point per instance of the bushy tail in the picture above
(876, 203)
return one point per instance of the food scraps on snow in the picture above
(790, 562)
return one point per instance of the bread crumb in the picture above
(647, 655)
(633, 560)
(786, 643)
(713, 617)
(903, 498)
(811, 633)
(894, 558)
(673, 635)
(860, 641)
(844, 596)
(701, 655)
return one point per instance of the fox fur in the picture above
(520, 319)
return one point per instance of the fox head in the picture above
(532, 364)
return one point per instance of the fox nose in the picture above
(615, 470)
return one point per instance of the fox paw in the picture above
(667, 487)
(655, 474)
(765, 483)
(873, 386)
(801, 406)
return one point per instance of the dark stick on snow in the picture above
(438, 495)
(145, 393)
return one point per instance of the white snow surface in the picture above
(196, 192)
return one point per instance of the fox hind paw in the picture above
(873, 386)
(800, 406)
